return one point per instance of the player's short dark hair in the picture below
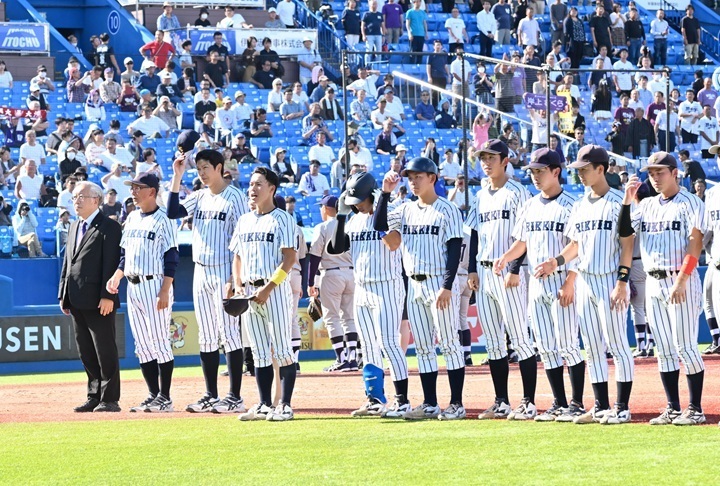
(269, 176)
(604, 165)
(212, 157)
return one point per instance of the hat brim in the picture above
(535, 165)
(352, 201)
(491, 152)
(656, 166)
(715, 149)
(579, 164)
(133, 183)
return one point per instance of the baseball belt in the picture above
(662, 274)
(136, 279)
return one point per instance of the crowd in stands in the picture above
(128, 114)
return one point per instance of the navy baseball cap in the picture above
(145, 179)
(494, 146)
(329, 201)
(658, 160)
(186, 141)
(544, 157)
(590, 154)
(280, 202)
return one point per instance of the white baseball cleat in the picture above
(666, 417)
(574, 410)
(690, 416)
(525, 411)
(620, 414)
(372, 408)
(258, 412)
(143, 405)
(592, 416)
(499, 410)
(281, 413)
(398, 409)
(551, 414)
(161, 404)
(204, 405)
(422, 412)
(454, 412)
(229, 404)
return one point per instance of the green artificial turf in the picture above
(342, 450)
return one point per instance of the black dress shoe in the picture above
(107, 407)
(88, 406)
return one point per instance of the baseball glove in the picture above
(236, 305)
(314, 309)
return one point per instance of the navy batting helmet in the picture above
(420, 164)
(359, 187)
(236, 305)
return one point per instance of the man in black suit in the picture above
(93, 254)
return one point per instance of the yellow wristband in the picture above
(279, 276)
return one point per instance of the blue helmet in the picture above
(420, 164)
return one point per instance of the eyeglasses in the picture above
(82, 197)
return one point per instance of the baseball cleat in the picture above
(525, 411)
(258, 412)
(281, 413)
(161, 404)
(143, 405)
(204, 405)
(551, 414)
(372, 408)
(711, 349)
(88, 406)
(485, 362)
(651, 353)
(513, 357)
(398, 409)
(592, 416)
(574, 410)
(225, 372)
(454, 412)
(690, 416)
(422, 412)
(229, 404)
(351, 365)
(468, 360)
(499, 410)
(107, 407)
(337, 366)
(666, 417)
(640, 353)
(619, 414)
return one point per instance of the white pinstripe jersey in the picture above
(712, 220)
(214, 220)
(593, 225)
(373, 261)
(259, 239)
(493, 216)
(664, 228)
(425, 231)
(541, 225)
(146, 239)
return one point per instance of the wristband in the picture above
(560, 260)
(382, 234)
(279, 276)
(689, 264)
(623, 273)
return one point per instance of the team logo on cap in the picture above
(652, 158)
(487, 144)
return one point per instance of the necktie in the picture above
(83, 229)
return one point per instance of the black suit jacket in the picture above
(90, 264)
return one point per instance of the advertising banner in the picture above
(286, 42)
(24, 37)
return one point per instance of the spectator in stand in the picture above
(36, 95)
(457, 32)
(386, 141)
(290, 110)
(572, 148)
(233, 20)
(95, 79)
(275, 97)
(601, 102)
(168, 89)
(308, 59)
(135, 146)
(29, 184)
(115, 180)
(504, 87)
(558, 12)
(416, 23)
(55, 138)
(655, 107)
(663, 129)
(481, 126)
(319, 92)
(313, 183)
(624, 115)
(186, 84)
(111, 207)
(623, 80)
(216, 72)
(330, 106)
(314, 123)
(392, 21)
(290, 208)
(158, 51)
(644, 94)
(167, 112)
(286, 12)
(202, 20)
(129, 99)
(64, 200)
(282, 167)
(358, 155)
(150, 80)
(600, 29)
(367, 81)
(394, 107)
(167, 20)
(502, 11)
(42, 81)
(351, 22)
(264, 78)
(699, 188)
(698, 82)
(617, 25)
(709, 134)
(95, 147)
(6, 79)
(94, 43)
(322, 152)
(438, 69)
(635, 101)
(185, 58)
(268, 54)
(430, 150)
(110, 90)
(146, 99)
(693, 170)
(690, 29)
(31, 149)
(25, 225)
(530, 75)
(149, 124)
(574, 30)
(274, 22)
(690, 112)
(460, 85)
(359, 108)
(424, 110)
(659, 29)
(260, 127)
(69, 164)
(105, 54)
(634, 35)
(221, 50)
(129, 74)
(528, 30)
(488, 25)
(708, 96)
(94, 107)
(8, 168)
(243, 112)
(371, 27)
(443, 118)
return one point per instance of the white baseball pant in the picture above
(150, 327)
(268, 327)
(215, 326)
(426, 320)
(297, 293)
(337, 290)
(601, 328)
(465, 294)
(378, 313)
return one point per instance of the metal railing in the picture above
(330, 43)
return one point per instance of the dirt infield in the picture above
(328, 394)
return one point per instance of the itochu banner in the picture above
(286, 42)
(24, 37)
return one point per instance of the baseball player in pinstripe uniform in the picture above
(431, 233)
(670, 227)
(215, 210)
(603, 265)
(708, 304)
(264, 244)
(465, 294)
(148, 260)
(501, 299)
(379, 294)
(540, 231)
(337, 289)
